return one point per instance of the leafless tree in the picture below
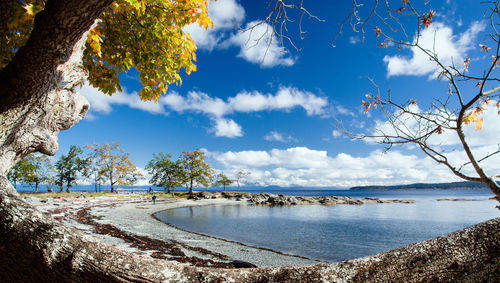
(464, 102)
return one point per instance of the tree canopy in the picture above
(114, 164)
(68, 166)
(144, 34)
(165, 172)
(198, 172)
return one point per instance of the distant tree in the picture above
(19, 172)
(41, 170)
(222, 180)
(165, 172)
(240, 177)
(198, 172)
(114, 164)
(68, 166)
(93, 168)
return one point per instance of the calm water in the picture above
(340, 232)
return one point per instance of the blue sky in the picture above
(276, 116)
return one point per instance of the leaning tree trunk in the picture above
(37, 101)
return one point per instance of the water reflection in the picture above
(333, 232)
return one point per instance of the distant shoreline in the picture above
(429, 186)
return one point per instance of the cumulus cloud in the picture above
(301, 166)
(196, 101)
(286, 98)
(226, 15)
(227, 128)
(259, 45)
(102, 103)
(488, 135)
(276, 136)
(439, 39)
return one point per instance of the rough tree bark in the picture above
(37, 100)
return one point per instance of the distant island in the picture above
(432, 186)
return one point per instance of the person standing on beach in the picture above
(154, 199)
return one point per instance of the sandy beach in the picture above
(132, 216)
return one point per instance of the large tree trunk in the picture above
(37, 101)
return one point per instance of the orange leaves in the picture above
(427, 18)
(383, 44)
(484, 47)
(368, 105)
(400, 10)
(378, 31)
(441, 74)
(439, 130)
(479, 84)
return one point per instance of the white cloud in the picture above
(354, 39)
(285, 99)
(226, 15)
(227, 128)
(276, 136)
(487, 136)
(300, 166)
(196, 101)
(439, 39)
(259, 45)
(336, 133)
(102, 103)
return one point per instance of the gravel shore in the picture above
(134, 215)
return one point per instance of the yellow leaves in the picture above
(473, 117)
(479, 124)
(427, 18)
(94, 41)
(147, 35)
(29, 9)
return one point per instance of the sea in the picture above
(340, 232)
(332, 233)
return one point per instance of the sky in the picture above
(274, 110)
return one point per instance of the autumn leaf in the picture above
(479, 84)
(479, 124)
(400, 10)
(377, 31)
(427, 18)
(29, 9)
(383, 44)
(414, 101)
(439, 130)
(484, 47)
